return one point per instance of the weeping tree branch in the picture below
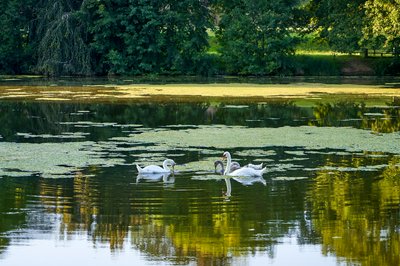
(62, 46)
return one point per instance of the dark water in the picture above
(69, 190)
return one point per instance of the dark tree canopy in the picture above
(134, 37)
(149, 36)
(15, 22)
(62, 42)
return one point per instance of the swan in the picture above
(234, 166)
(244, 171)
(155, 169)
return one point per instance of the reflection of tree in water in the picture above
(59, 118)
(354, 114)
(357, 214)
(269, 114)
(33, 118)
(390, 122)
(160, 223)
(12, 201)
(336, 114)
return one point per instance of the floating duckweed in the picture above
(64, 135)
(368, 168)
(256, 152)
(306, 137)
(289, 178)
(50, 159)
(299, 153)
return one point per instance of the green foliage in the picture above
(15, 51)
(254, 35)
(311, 43)
(150, 37)
(384, 17)
(61, 36)
(329, 65)
(316, 65)
(339, 22)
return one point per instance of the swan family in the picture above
(232, 168)
(243, 171)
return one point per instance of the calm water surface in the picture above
(70, 193)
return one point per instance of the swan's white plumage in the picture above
(155, 169)
(247, 171)
(255, 166)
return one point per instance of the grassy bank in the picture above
(348, 65)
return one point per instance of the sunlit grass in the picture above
(318, 52)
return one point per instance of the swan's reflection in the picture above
(245, 180)
(165, 177)
(228, 192)
(249, 180)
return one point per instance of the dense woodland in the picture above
(202, 37)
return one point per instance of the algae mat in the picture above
(193, 92)
(149, 146)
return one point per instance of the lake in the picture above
(70, 192)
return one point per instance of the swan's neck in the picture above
(165, 166)
(221, 164)
(228, 164)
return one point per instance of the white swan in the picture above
(235, 166)
(244, 171)
(155, 169)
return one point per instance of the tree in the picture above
(339, 22)
(255, 35)
(15, 50)
(61, 38)
(384, 16)
(149, 36)
(185, 34)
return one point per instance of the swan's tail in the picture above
(264, 170)
(255, 166)
(139, 169)
(260, 165)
